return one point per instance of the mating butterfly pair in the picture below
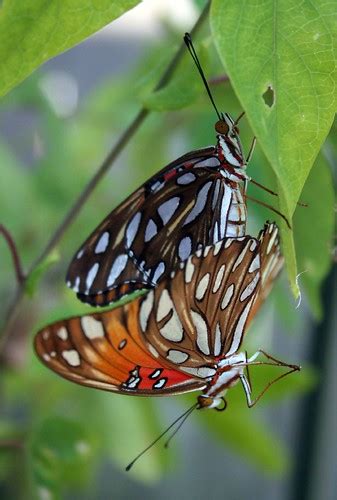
(182, 336)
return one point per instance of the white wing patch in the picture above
(92, 328)
(117, 268)
(202, 287)
(202, 332)
(102, 243)
(72, 357)
(227, 297)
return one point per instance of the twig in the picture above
(20, 275)
(102, 170)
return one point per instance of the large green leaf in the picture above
(289, 48)
(33, 31)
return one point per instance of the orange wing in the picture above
(105, 350)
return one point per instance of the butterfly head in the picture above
(229, 143)
(209, 402)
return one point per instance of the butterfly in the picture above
(195, 201)
(182, 336)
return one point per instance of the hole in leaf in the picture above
(269, 96)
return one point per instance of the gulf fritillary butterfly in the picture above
(182, 336)
(195, 201)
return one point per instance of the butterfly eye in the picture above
(221, 127)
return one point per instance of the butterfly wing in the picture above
(272, 262)
(187, 205)
(105, 350)
(201, 314)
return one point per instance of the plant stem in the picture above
(89, 188)
(20, 275)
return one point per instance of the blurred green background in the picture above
(59, 440)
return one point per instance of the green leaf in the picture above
(33, 31)
(290, 49)
(240, 431)
(314, 241)
(34, 278)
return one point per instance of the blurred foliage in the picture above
(65, 431)
(30, 24)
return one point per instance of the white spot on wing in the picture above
(158, 272)
(76, 286)
(272, 241)
(62, 333)
(225, 205)
(102, 243)
(160, 383)
(253, 245)
(218, 278)
(79, 254)
(189, 270)
(132, 229)
(209, 162)
(117, 268)
(167, 209)
(255, 264)
(72, 357)
(238, 332)
(227, 297)
(185, 248)
(202, 287)
(250, 288)
(186, 179)
(145, 310)
(217, 340)
(202, 332)
(91, 276)
(201, 372)
(92, 328)
(241, 256)
(199, 204)
(151, 230)
(176, 356)
(165, 305)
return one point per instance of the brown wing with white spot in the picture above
(105, 350)
(271, 264)
(200, 314)
(187, 205)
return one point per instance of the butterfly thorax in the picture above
(228, 374)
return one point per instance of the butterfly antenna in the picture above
(181, 423)
(183, 416)
(191, 49)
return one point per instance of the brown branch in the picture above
(88, 189)
(20, 275)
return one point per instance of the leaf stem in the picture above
(20, 275)
(89, 188)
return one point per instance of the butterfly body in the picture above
(196, 201)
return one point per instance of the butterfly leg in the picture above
(272, 361)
